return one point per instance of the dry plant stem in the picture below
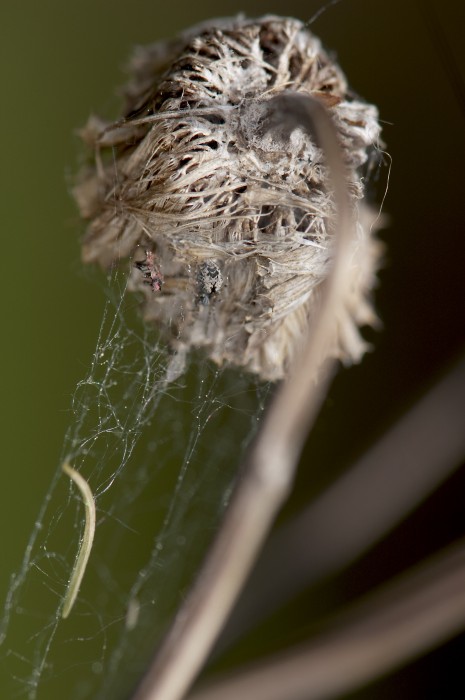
(404, 466)
(87, 539)
(270, 464)
(423, 610)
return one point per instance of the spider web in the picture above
(160, 459)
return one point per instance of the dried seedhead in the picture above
(237, 222)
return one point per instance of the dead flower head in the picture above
(229, 229)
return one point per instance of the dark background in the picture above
(59, 62)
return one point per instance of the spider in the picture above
(210, 281)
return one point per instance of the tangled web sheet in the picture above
(160, 459)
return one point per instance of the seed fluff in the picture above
(238, 221)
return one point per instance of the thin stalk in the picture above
(87, 540)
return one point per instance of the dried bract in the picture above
(240, 220)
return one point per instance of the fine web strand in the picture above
(160, 459)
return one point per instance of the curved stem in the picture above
(87, 539)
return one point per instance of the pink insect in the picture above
(151, 272)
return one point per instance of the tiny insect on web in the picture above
(151, 274)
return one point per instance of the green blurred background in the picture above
(59, 62)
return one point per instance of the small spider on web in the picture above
(210, 281)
